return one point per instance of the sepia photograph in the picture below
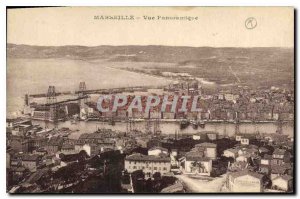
(150, 100)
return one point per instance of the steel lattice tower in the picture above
(51, 102)
(81, 92)
(237, 124)
(279, 124)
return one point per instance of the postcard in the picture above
(150, 100)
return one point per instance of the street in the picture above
(198, 185)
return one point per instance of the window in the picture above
(165, 168)
(155, 168)
(134, 167)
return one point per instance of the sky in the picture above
(215, 27)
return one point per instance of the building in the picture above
(264, 169)
(18, 173)
(54, 145)
(233, 153)
(244, 141)
(266, 160)
(280, 156)
(71, 158)
(173, 156)
(276, 138)
(40, 151)
(41, 113)
(15, 122)
(10, 122)
(210, 149)
(263, 150)
(79, 146)
(67, 148)
(39, 142)
(92, 149)
(284, 183)
(21, 144)
(49, 113)
(245, 181)
(21, 129)
(278, 170)
(197, 136)
(238, 138)
(168, 115)
(195, 162)
(157, 151)
(212, 135)
(30, 161)
(149, 164)
(72, 109)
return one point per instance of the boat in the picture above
(73, 121)
(184, 124)
(111, 122)
(158, 132)
(194, 124)
(202, 124)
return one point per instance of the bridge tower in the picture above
(156, 129)
(237, 124)
(148, 127)
(81, 92)
(279, 124)
(128, 125)
(53, 108)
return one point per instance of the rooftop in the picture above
(278, 169)
(152, 158)
(246, 172)
(56, 141)
(27, 157)
(159, 148)
(279, 151)
(284, 177)
(267, 157)
(233, 150)
(206, 145)
(196, 156)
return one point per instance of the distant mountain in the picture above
(172, 54)
(250, 66)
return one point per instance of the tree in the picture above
(198, 166)
(157, 176)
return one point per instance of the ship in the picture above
(111, 122)
(73, 121)
(194, 124)
(184, 124)
(202, 124)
